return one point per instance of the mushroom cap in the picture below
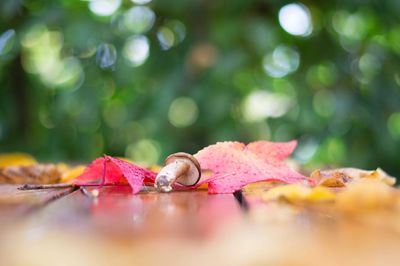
(193, 174)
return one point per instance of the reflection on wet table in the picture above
(188, 228)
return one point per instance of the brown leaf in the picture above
(34, 174)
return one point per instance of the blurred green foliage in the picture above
(146, 78)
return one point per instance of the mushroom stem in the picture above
(170, 173)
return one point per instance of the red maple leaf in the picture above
(110, 170)
(235, 165)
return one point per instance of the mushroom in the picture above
(180, 167)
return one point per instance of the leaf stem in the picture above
(103, 178)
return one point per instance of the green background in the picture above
(148, 80)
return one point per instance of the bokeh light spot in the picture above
(369, 65)
(115, 114)
(324, 103)
(136, 50)
(306, 150)
(134, 131)
(282, 61)
(42, 55)
(7, 40)
(393, 125)
(45, 118)
(106, 55)
(296, 19)
(69, 75)
(284, 86)
(104, 7)
(353, 27)
(322, 75)
(139, 19)
(262, 104)
(141, 2)
(145, 152)
(166, 37)
(171, 34)
(397, 78)
(336, 150)
(201, 56)
(394, 39)
(183, 112)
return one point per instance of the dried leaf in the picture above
(33, 174)
(235, 165)
(341, 176)
(329, 179)
(366, 194)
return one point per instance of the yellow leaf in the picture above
(16, 159)
(290, 192)
(259, 187)
(154, 168)
(69, 173)
(366, 194)
(320, 194)
(295, 193)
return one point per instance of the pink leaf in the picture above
(237, 165)
(115, 171)
(134, 174)
(272, 150)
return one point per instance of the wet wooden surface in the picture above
(186, 228)
(16, 204)
(118, 213)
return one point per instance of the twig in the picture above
(52, 186)
(46, 186)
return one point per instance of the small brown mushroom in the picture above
(180, 167)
